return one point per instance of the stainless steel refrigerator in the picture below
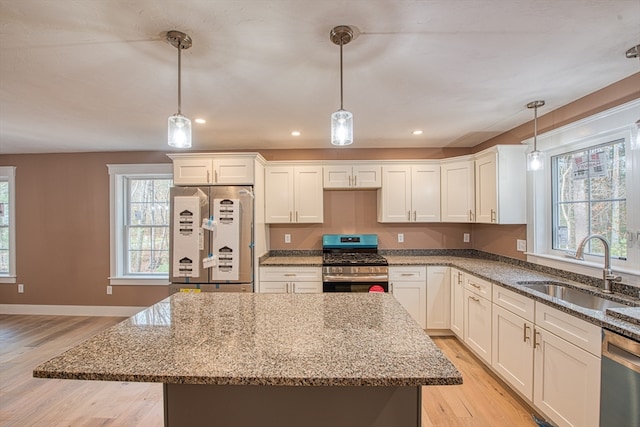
(211, 238)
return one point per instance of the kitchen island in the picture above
(263, 359)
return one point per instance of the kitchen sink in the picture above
(572, 295)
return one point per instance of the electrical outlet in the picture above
(521, 245)
(20, 288)
(466, 237)
(287, 238)
(400, 237)
(109, 289)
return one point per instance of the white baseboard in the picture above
(70, 310)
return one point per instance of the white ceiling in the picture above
(98, 75)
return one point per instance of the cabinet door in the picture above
(512, 352)
(192, 171)
(367, 176)
(457, 303)
(279, 194)
(233, 170)
(395, 196)
(412, 296)
(274, 287)
(486, 188)
(306, 287)
(308, 194)
(425, 193)
(438, 298)
(567, 381)
(337, 176)
(477, 325)
(457, 192)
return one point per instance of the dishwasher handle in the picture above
(620, 349)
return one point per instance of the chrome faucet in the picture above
(607, 273)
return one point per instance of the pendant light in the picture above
(341, 120)
(535, 159)
(179, 126)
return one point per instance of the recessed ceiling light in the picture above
(201, 121)
(295, 133)
(417, 132)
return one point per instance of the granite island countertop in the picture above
(262, 339)
(508, 275)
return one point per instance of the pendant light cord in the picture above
(535, 127)
(179, 78)
(341, 73)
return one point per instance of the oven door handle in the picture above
(354, 278)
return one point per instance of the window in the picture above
(140, 223)
(589, 197)
(590, 185)
(7, 225)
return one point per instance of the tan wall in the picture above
(349, 212)
(62, 230)
(62, 207)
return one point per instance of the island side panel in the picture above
(284, 406)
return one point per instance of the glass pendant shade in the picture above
(341, 128)
(535, 160)
(179, 131)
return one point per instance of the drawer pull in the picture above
(474, 298)
(475, 286)
(526, 337)
(406, 274)
(289, 274)
(536, 343)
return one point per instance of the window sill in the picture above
(138, 281)
(587, 268)
(7, 279)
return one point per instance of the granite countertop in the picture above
(286, 261)
(262, 339)
(623, 321)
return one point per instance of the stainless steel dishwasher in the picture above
(620, 385)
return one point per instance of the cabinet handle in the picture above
(290, 274)
(355, 181)
(391, 287)
(286, 287)
(493, 215)
(293, 287)
(208, 177)
(215, 176)
(536, 343)
(350, 180)
(470, 215)
(409, 215)
(474, 298)
(406, 274)
(414, 216)
(290, 216)
(296, 216)
(475, 286)
(459, 277)
(525, 338)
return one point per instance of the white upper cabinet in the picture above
(293, 194)
(213, 169)
(409, 193)
(500, 185)
(352, 177)
(458, 192)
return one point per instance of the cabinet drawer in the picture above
(478, 286)
(518, 304)
(290, 274)
(578, 332)
(414, 273)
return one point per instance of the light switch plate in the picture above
(466, 237)
(287, 238)
(20, 288)
(521, 245)
(400, 238)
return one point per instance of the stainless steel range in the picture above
(351, 263)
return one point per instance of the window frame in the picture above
(118, 193)
(608, 126)
(8, 174)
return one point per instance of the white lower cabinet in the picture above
(559, 371)
(409, 286)
(283, 280)
(477, 324)
(457, 302)
(438, 298)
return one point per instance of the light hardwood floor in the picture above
(25, 341)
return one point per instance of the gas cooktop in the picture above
(353, 258)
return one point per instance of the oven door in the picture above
(359, 286)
